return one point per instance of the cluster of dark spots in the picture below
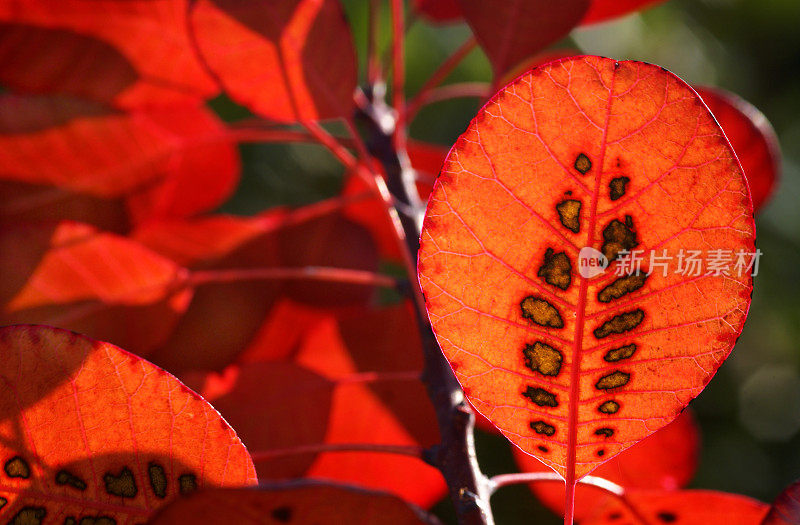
(158, 479)
(618, 236)
(622, 286)
(187, 483)
(618, 354)
(582, 163)
(605, 432)
(613, 380)
(667, 517)
(65, 477)
(122, 484)
(608, 407)
(601, 452)
(29, 516)
(620, 324)
(541, 312)
(556, 269)
(569, 212)
(543, 449)
(542, 358)
(540, 427)
(282, 514)
(541, 397)
(17, 467)
(616, 188)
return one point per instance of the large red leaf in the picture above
(585, 152)
(665, 460)
(439, 11)
(93, 432)
(520, 28)
(685, 507)
(304, 502)
(164, 163)
(602, 10)
(289, 60)
(752, 138)
(131, 53)
(786, 508)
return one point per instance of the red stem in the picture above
(315, 273)
(373, 59)
(398, 74)
(403, 450)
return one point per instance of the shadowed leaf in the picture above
(602, 10)
(786, 508)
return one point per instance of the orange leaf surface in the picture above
(665, 460)
(165, 163)
(612, 156)
(292, 60)
(131, 53)
(786, 508)
(303, 502)
(520, 28)
(685, 507)
(602, 10)
(752, 138)
(94, 432)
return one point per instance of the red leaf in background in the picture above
(93, 431)
(303, 502)
(536, 60)
(786, 508)
(290, 60)
(164, 163)
(131, 53)
(576, 369)
(664, 460)
(602, 10)
(682, 507)
(71, 275)
(439, 11)
(520, 28)
(752, 138)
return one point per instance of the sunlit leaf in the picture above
(576, 369)
(92, 432)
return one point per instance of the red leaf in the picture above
(304, 502)
(664, 460)
(165, 163)
(685, 507)
(291, 60)
(439, 11)
(131, 53)
(94, 431)
(786, 508)
(752, 138)
(576, 369)
(520, 28)
(602, 10)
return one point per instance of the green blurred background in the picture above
(750, 413)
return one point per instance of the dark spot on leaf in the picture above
(122, 484)
(29, 516)
(569, 212)
(617, 354)
(187, 483)
(540, 427)
(283, 514)
(17, 467)
(601, 452)
(69, 520)
(618, 236)
(541, 312)
(543, 448)
(608, 407)
(615, 516)
(583, 164)
(541, 397)
(622, 286)
(556, 269)
(605, 431)
(158, 479)
(568, 192)
(620, 323)
(542, 358)
(65, 477)
(613, 380)
(616, 188)
(667, 517)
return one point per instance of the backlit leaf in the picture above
(520, 28)
(786, 508)
(752, 138)
(94, 432)
(602, 10)
(576, 369)
(303, 502)
(289, 60)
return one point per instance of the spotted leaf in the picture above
(574, 367)
(94, 432)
